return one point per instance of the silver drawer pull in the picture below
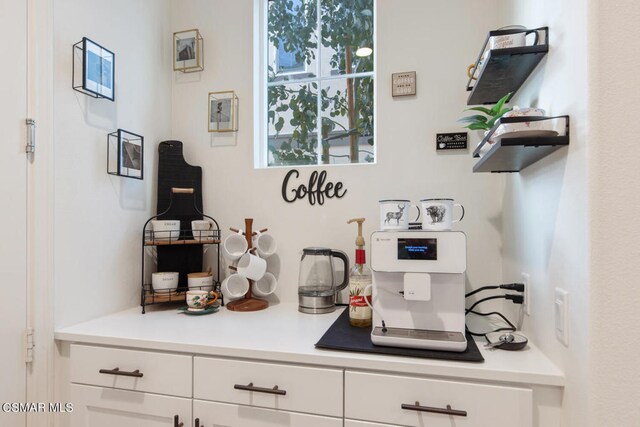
(251, 387)
(117, 371)
(445, 411)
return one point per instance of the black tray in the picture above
(342, 336)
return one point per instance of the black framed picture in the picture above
(125, 156)
(98, 70)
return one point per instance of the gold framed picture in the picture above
(188, 51)
(223, 111)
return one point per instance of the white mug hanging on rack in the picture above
(438, 214)
(234, 246)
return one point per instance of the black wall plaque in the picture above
(316, 190)
(452, 141)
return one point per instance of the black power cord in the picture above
(518, 287)
(516, 299)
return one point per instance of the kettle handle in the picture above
(345, 260)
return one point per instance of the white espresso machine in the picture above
(418, 289)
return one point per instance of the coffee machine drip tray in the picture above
(419, 338)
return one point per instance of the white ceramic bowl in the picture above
(166, 229)
(202, 281)
(165, 282)
(522, 126)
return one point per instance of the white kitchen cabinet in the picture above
(413, 401)
(107, 407)
(298, 388)
(213, 414)
(323, 388)
(154, 372)
(354, 423)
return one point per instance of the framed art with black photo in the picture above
(125, 154)
(93, 71)
(223, 111)
(188, 51)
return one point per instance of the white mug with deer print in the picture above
(395, 215)
(437, 214)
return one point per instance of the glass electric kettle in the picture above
(316, 287)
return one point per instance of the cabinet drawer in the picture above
(380, 398)
(312, 390)
(161, 373)
(106, 407)
(353, 423)
(210, 414)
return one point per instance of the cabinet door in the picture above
(413, 401)
(106, 407)
(354, 423)
(210, 414)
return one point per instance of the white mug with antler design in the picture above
(394, 214)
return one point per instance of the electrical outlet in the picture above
(527, 299)
(561, 310)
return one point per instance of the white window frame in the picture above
(260, 84)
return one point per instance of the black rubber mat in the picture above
(342, 336)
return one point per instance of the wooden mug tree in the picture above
(248, 302)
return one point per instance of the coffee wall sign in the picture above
(315, 190)
(452, 141)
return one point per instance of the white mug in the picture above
(265, 244)
(251, 266)
(201, 230)
(235, 286)
(394, 214)
(438, 214)
(203, 280)
(234, 246)
(517, 39)
(166, 229)
(265, 286)
(199, 300)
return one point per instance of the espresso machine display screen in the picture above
(421, 249)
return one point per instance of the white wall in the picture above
(99, 217)
(545, 211)
(615, 200)
(436, 39)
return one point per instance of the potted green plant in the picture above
(489, 116)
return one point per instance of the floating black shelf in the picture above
(512, 154)
(505, 70)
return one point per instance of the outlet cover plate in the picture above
(561, 315)
(526, 279)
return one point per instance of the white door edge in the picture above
(40, 189)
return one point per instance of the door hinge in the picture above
(31, 136)
(28, 345)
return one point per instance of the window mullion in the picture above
(319, 82)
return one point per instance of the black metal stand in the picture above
(184, 238)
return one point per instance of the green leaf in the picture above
(498, 107)
(476, 118)
(481, 109)
(279, 124)
(478, 126)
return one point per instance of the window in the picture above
(317, 78)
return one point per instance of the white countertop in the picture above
(280, 333)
